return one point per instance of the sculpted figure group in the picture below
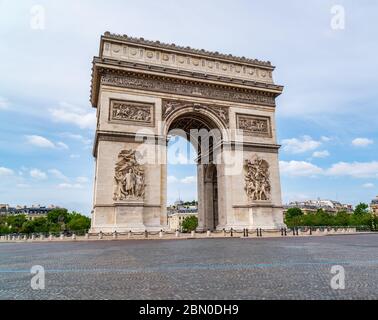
(128, 177)
(257, 179)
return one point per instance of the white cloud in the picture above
(40, 141)
(368, 185)
(38, 174)
(62, 145)
(325, 139)
(362, 142)
(70, 186)
(6, 171)
(355, 169)
(299, 168)
(294, 145)
(321, 154)
(172, 179)
(77, 137)
(67, 113)
(4, 104)
(22, 185)
(58, 174)
(74, 156)
(82, 179)
(189, 180)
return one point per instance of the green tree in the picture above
(15, 222)
(189, 224)
(294, 212)
(78, 222)
(361, 208)
(58, 215)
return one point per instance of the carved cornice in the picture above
(101, 64)
(202, 52)
(155, 83)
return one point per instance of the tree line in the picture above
(57, 221)
(361, 217)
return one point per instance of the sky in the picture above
(327, 119)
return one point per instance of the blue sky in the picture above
(327, 116)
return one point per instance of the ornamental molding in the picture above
(171, 106)
(187, 50)
(186, 87)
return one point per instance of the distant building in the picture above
(178, 212)
(35, 211)
(374, 206)
(312, 206)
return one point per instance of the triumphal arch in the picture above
(145, 92)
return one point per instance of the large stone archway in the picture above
(225, 105)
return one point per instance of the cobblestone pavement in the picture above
(276, 268)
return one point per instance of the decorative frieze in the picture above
(136, 112)
(169, 106)
(257, 181)
(158, 54)
(254, 125)
(187, 88)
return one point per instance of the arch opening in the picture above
(202, 135)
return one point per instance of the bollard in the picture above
(231, 232)
(161, 234)
(87, 236)
(73, 236)
(260, 232)
(129, 235)
(285, 231)
(25, 238)
(33, 237)
(208, 233)
(177, 233)
(282, 233)
(310, 231)
(193, 233)
(42, 237)
(145, 234)
(243, 232)
(115, 235)
(246, 232)
(257, 232)
(62, 236)
(50, 237)
(100, 236)
(224, 232)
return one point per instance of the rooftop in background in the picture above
(6, 209)
(314, 205)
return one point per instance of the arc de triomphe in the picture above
(144, 91)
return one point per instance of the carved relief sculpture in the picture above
(131, 111)
(128, 177)
(257, 182)
(254, 125)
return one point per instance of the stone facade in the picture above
(144, 89)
